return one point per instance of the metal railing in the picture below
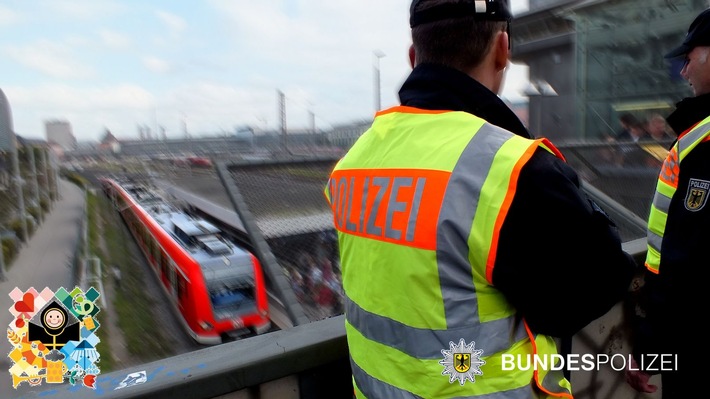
(299, 362)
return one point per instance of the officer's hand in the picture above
(638, 379)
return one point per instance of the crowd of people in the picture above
(315, 276)
(641, 142)
(654, 128)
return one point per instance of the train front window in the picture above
(230, 300)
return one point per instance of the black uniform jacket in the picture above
(559, 259)
(672, 300)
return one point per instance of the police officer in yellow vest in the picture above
(678, 235)
(466, 245)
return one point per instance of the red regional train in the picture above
(214, 284)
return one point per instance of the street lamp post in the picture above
(376, 77)
(538, 88)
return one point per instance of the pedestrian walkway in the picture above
(45, 261)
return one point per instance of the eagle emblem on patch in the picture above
(697, 194)
(462, 362)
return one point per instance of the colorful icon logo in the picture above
(53, 337)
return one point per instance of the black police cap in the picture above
(698, 35)
(485, 10)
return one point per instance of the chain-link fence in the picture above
(285, 199)
(626, 172)
(288, 205)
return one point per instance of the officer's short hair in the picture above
(460, 42)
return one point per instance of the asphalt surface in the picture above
(43, 262)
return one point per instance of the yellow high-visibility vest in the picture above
(418, 203)
(666, 189)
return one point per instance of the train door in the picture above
(173, 281)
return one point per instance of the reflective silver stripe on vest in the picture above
(456, 216)
(661, 203)
(373, 388)
(654, 240)
(552, 382)
(689, 139)
(421, 343)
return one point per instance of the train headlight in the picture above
(205, 325)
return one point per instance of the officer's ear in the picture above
(502, 50)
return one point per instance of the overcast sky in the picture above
(209, 66)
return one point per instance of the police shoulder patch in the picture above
(697, 194)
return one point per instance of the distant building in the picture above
(59, 133)
(109, 143)
(344, 136)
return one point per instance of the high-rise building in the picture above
(60, 133)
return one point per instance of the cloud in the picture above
(315, 31)
(50, 58)
(175, 24)
(326, 48)
(82, 9)
(60, 96)
(208, 107)
(89, 110)
(156, 64)
(323, 47)
(224, 73)
(114, 39)
(8, 16)
(55, 356)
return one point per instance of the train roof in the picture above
(195, 227)
(221, 260)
